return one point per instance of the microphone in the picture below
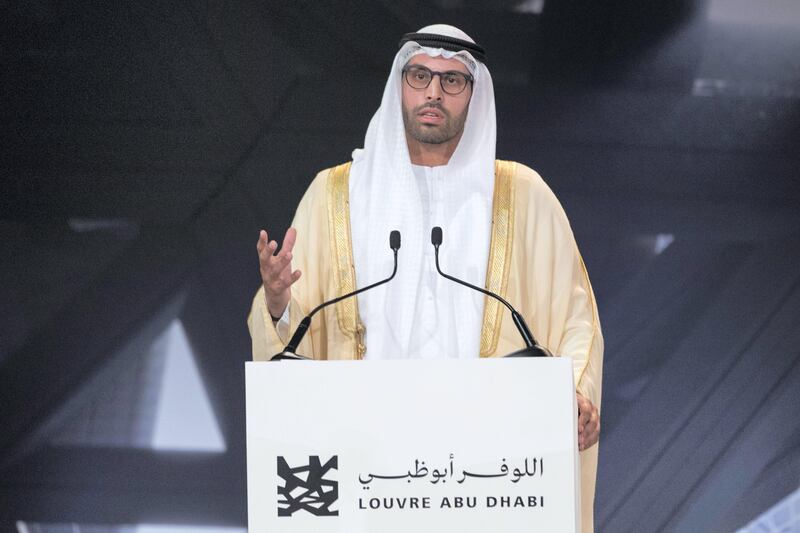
(289, 351)
(532, 348)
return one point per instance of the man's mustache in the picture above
(438, 107)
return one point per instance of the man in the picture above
(429, 160)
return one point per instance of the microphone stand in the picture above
(532, 348)
(289, 352)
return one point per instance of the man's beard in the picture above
(449, 129)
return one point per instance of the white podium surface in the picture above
(412, 445)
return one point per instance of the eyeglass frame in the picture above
(469, 77)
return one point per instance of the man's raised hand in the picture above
(276, 270)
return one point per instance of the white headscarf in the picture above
(419, 313)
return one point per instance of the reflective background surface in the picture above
(146, 143)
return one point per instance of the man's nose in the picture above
(434, 90)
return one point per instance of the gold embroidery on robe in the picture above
(499, 254)
(344, 269)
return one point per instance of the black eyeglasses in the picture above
(452, 82)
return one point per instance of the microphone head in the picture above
(394, 240)
(436, 236)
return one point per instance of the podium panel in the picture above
(412, 445)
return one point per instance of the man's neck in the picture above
(431, 155)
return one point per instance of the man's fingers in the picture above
(584, 412)
(276, 272)
(276, 269)
(262, 241)
(289, 240)
(265, 250)
(588, 440)
(278, 263)
(593, 425)
(285, 258)
(269, 253)
(265, 256)
(588, 423)
(583, 418)
(280, 283)
(265, 245)
(591, 432)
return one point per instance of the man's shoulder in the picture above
(323, 174)
(341, 166)
(530, 187)
(318, 185)
(526, 177)
(521, 170)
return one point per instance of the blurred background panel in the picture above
(146, 143)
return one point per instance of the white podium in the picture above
(412, 445)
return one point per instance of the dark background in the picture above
(144, 144)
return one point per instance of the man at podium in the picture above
(429, 160)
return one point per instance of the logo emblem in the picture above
(306, 487)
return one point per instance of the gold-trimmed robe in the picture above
(534, 263)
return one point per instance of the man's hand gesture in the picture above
(276, 270)
(588, 423)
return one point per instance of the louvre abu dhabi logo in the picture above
(308, 487)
